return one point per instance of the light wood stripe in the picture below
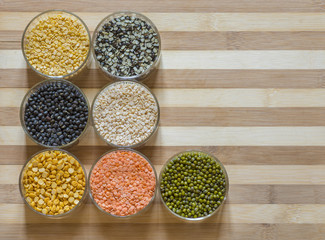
(231, 213)
(203, 136)
(161, 231)
(189, 78)
(12, 97)
(239, 194)
(240, 117)
(174, 6)
(9, 117)
(221, 117)
(240, 97)
(158, 155)
(216, 40)
(196, 21)
(238, 174)
(250, 59)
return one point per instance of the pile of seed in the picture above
(193, 185)
(126, 46)
(125, 113)
(122, 183)
(53, 182)
(57, 45)
(56, 113)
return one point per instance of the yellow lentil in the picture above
(51, 195)
(57, 45)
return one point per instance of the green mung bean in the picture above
(193, 185)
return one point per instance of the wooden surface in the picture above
(243, 80)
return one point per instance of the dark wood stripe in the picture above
(13, 36)
(93, 78)
(276, 194)
(275, 40)
(161, 231)
(9, 45)
(168, 6)
(216, 40)
(238, 194)
(158, 155)
(218, 117)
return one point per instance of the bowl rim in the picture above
(226, 178)
(58, 216)
(139, 77)
(60, 76)
(155, 128)
(35, 88)
(123, 150)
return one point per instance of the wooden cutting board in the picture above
(243, 80)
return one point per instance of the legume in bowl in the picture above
(193, 185)
(56, 43)
(55, 113)
(53, 183)
(126, 46)
(125, 114)
(122, 183)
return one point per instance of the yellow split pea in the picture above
(53, 182)
(57, 45)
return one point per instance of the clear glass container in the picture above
(59, 216)
(143, 210)
(153, 130)
(43, 16)
(144, 74)
(34, 89)
(217, 209)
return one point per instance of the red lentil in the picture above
(122, 182)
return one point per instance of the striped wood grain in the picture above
(210, 97)
(210, 116)
(203, 136)
(168, 6)
(222, 59)
(229, 155)
(160, 231)
(240, 79)
(238, 174)
(196, 21)
(229, 40)
(239, 194)
(187, 78)
(231, 213)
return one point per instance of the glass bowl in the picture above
(142, 75)
(137, 145)
(59, 216)
(34, 89)
(198, 218)
(143, 210)
(43, 16)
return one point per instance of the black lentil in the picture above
(56, 114)
(126, 46)
(193, 185)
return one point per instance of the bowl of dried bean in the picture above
(53, 183)
(56, 43)
(193, 185)
(122, 183)
(126, 46)
(125, 114)
(55, 113)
